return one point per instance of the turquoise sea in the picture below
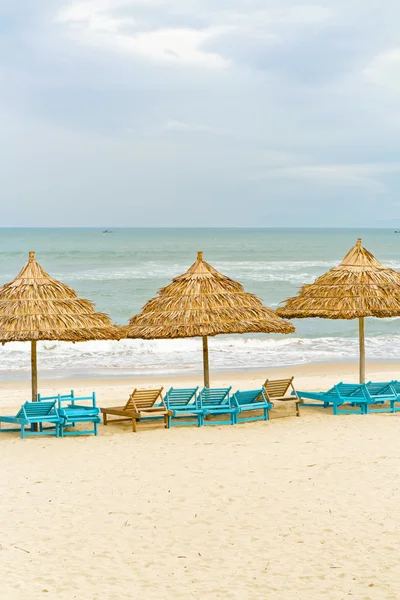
(119, 271)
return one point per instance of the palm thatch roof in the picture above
(34, 306)
(203, 302)
(360, 286)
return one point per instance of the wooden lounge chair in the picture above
(216, 401)
(182, 405)
(250, 401)
(277, 389)
(141, 405)
(33, 415)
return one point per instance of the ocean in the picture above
(120, 271)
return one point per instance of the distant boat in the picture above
(107, 231)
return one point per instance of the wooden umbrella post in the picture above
(205, 362)
(362, 348)
(34, 371)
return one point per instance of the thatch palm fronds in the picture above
(34, 307)
(200, 303)
(360, 286)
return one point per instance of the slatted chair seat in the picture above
(278, 390)
(142, 404)
(183, 406)
(33, 414)
(250, 401)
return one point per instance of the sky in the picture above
(200, 113)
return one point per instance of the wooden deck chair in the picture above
(141, 405)
(277, 389)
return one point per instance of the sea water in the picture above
(121, 270)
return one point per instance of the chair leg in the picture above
(23, 431)
(134, 425)
(166, 422)
(104, 418)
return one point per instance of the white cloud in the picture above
(173, 125)
(384, 70)
(358, 175)
(95, 24)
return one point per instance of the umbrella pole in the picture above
(362, 348)
(205, 362)
(34, 371)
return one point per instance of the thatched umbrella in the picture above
(357, 288)
(34, 307)
(200, 303)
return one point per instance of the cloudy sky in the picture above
(200, 112)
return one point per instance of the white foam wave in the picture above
(226, 353)
(293, 271)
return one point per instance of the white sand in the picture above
(296, 508)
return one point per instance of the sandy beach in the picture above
(293, 508)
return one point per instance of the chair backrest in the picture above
(38, 409)
(249, 396)
(180, 397)
(332, 392)
(278, 388)
(214, 396)
(350, 390)
(377, 388)
(395, 385)
(142, 399)
(58, 398)
(72, 400)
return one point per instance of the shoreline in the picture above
(316, 376)
(120, 373)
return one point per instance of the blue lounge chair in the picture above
(216, 401)
(250, 401)
(350, 394)
(33, 415)
(182, 405)
(379, 393)
(74, 410)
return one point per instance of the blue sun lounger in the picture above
(215, 402)
(34, 415)
(182, 404)
(379, 393)
(341, 394)
(251, 400)
(73, 409)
